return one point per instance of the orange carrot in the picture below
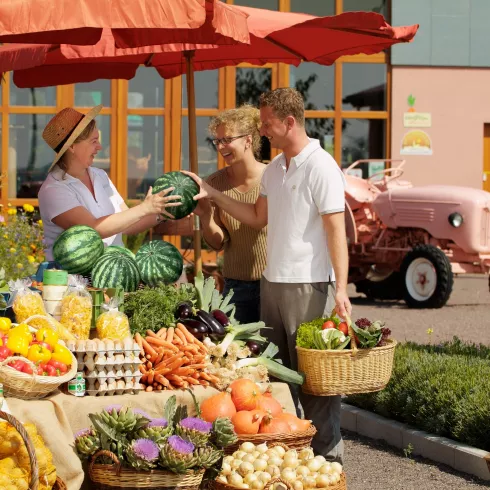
(139, 339)
(190, 338)
(148, 348)
(162, 333)
(162, 343)
(170, 334)
(149, 388)
(151, 333)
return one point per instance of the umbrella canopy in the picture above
(136, 23)
(274, 37)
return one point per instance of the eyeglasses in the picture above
(228, 140)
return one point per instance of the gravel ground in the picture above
(371, 465)
(468, 306)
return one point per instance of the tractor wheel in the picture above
(428, 277)
(390, 288)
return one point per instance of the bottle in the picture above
(76, 386)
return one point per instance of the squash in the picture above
(220, 405)
(244, 393)
(295, 423)
(273, 425)
(247, 422)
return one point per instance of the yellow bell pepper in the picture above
(21, 330)
(18, 345)
(38, 354)
(5, 324)
(47, 335)
(62, 354)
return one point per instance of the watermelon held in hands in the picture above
(118, 249)
(159, 262)
(184, 187)
(116, 269)
(77, 249)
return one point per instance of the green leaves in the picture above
(367, 338)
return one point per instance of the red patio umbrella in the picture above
(274, 37)
(135, 23)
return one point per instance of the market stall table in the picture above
(60, 416)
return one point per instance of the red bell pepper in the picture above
(60, 367)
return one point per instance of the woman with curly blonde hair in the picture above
(236, 135)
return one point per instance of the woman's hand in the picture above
(156, 203)
(203, 207)
(206, 189)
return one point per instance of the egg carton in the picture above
(113, 374)
(118, 361)
(105, 347)
(114, 387)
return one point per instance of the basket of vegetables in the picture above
(275, 467)
(20, 456)
(341, 358)
(34, 363)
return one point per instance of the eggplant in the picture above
(184, 310)
(254, 347)
(215, 329)
(221, 317)
(196, 332)
(197, 326)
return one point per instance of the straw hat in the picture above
(65, 127)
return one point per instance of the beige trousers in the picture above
(284, 306)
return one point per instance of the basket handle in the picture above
(270, 483)
(352, 335)
(30, 447)
(280, 444)
(110, 455)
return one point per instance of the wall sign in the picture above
(416, 142)
(414, 119)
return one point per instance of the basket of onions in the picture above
(257, 416)
(270, 467)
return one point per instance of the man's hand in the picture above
(342, 304)
(203, 207)
(206, 189)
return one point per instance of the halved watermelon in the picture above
(159, 262)
(184, 187)
(77, 249)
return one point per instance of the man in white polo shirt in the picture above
(302, 202)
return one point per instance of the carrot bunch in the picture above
(173, 359)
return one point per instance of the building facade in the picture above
(143, 125)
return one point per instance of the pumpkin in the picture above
(273, 425)
(244, 393)
(295, 423)
(268, 404)
(220, 405)
(247, 422)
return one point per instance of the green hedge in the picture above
(443, 389)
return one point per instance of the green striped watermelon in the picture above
(158, 262)
(117, 248)
(116, 269)
(184, 187)
(77, 249)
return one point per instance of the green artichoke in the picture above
(195, 430)
(208, 456)
(223, 432)
(121, 419)
(157, 430)
(177, 454)
(87, 442)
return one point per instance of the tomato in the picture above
(343, 328)
(17, 365)
(60, 367)
(4, 353)
(51, 370)
(26, 368)
(328, 324)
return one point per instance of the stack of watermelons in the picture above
(80, 249)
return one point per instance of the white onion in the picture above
(239, 454)
(260, 464)
(337, 467)
(236, 464)
(325, 469)
(309, 482)
(288, 474)
(297, 485)
(248, 447)
(264, 456)
(275, 461)
(257, 485)
(245, 468)
(320, 458)
(243, 485)
(313, 465)
(249, 478)
(265, 477)
(226, 469)
(273, 471)
(222, 479)
(256, 454)
(262, 448)
(306, 454)
(248, 458)
(228, 459)
(322, 481)
(280, 450)
(235, 479)
(335, 477)
(302, 470)
(271, 452)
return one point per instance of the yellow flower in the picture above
(31, 259)
(9, 205)
(28, 208)
(12, 211)
(5, 236)
(20, 266)
(430, 331)
(12, 250)
(40, 222)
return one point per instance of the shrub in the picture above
(21, 241)
(441, 389)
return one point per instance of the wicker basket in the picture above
(348, 371)
(106, 476)
(31, 386)
(34, 483)
(294, 440)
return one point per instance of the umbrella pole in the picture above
(194, 166)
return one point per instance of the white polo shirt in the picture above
(296, 200)
(59, 194)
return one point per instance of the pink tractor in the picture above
(406, 242)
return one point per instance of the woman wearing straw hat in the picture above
(75, 193)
